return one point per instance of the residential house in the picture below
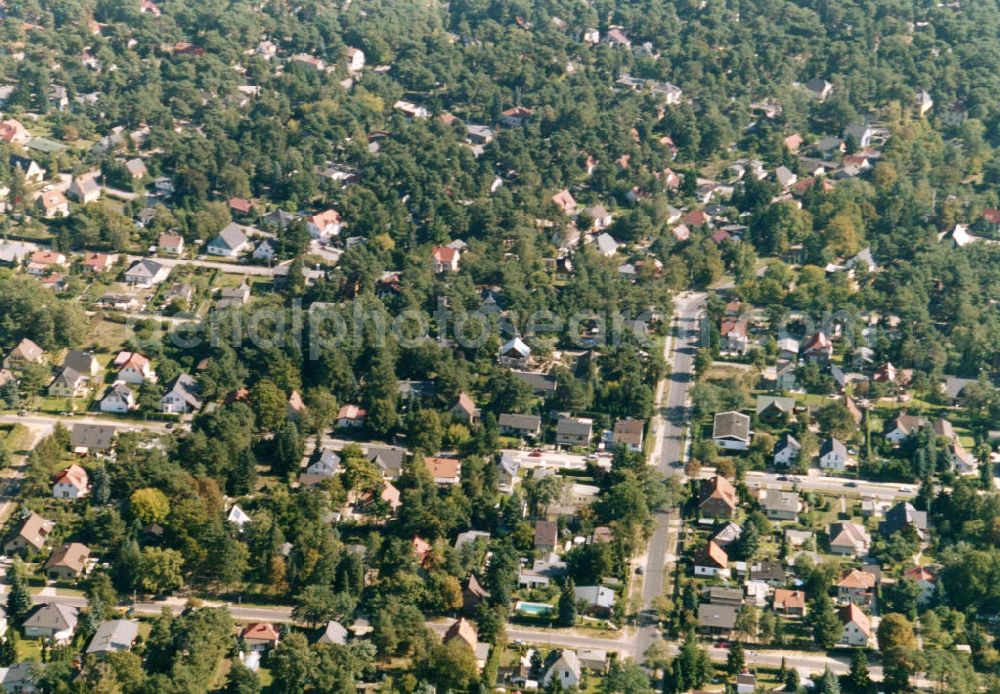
(862, 135)
(240, 206)
(923, 103)
(848, 539)
(44, 262)
(465, 632)
(411, 110)
(541, 384)
(93, 439)
(478, 134)
(617, 38)
(97, 263)
(790, 602)
(546, 535)
(85, 188)
(721, 595)
(768, 571)
(528, 426)
(119, 399)
(69, 383)
(445, 471)
(508, 469)
(32, 533)
(718, 498)
(735, 335)
(259, 637)
(926, 579)
(565, 670)
(600, 217)
(71, 483)
(819, 88)
(516, 116)
(515, 354)
(351, 417)
(445, 259)
(134, 368)
(565, 202)
(574, 431)
(775, 409)
(323, 465)
(817, 348)
(68, 562)
(465, 410)
(355, 59)
(856, 586)
(729, 534)
(785, 177)
(786, 451)
(52, 203)
(334, 634)
(717, 620)
(731, 431)
(233, 296)
(960, 460)
(182, 397)
(13, 254)
(902, 516)
(599, 600)
(712, 561)
(901, 427)
(113, 636)
(147, 273)
(323, 225)
(229, 243)
(13, 132)
(594, 659)
(170, 244)
(52, 620)
(780, 505)
(833, 455)
(26, 352)
(136, 169)
(606, 245)
(266, 250)
(629, 433)
(856, 626)
(746, 683)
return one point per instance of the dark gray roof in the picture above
(113, 635)
(717, 616)
(833, 445)
(79, 361)
(95, 437)
(901, 515)
(388, 458)
(520, 421)
(540, 383)
(731, 425)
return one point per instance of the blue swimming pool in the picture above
(532, 609)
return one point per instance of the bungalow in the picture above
(848, 539)
(574, 431)
(598, 600)
(629, 433)
(786, 451)
(92, 438)
(119, 399)
(775, 409)
(67, 562)
(228, 243)
(465, 409)
(26, 352)
(113, 636)
(833, 455)
(85, 188)
(856, 587)
(182, 397)
(541, 384)
(52, 204)
(606, 245)
(856, 626)
(71, 483)
(780, 505)
(718, 498)
(790, 602)
(717, 620)
(133, 368)
(527, 426)
(599, 216)
(729, 534)
(44, 262)
(515, 354)
(170, 244)
(52, 620)
(96, 263)
(70, 383)
(33, 532)
(240, 206)
(323, 225)
(712, 561)
(351, 417)
(147, 273)
(136, 169)
(445, 259)
(735, 335)
(233, 296)
(731, 431)
(259, 637)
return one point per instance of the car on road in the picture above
(906, 488)
(782, 478)
(639, 570)
(850, 484)
(170, 425)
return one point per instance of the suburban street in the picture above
(232, 268)
(49, 422)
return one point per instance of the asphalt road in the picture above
(49, 421)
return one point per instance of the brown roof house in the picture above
(628, 433)
(848, 539)
(790, 602)
(856, 587)
(26, 352)
(718, 498)
(546, 535)
(465, 409)
(711, 561)
(67, 562)
(465, 632)
(32, 533)
(856, 626)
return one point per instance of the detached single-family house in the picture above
(780, 505)
(465, 409)
(574, 431)
(147, 273)
(856, 587)
(565, 202)
(507, 471)
(717, 620)
(134, 368)
(819, 88)
(516, 116)
(52, 204)
(97, 263)
(901, 427)
(92, 438)
(629, 433)
(259, 636)
(67, 562)
(599, 600)
(26, 352)
(52, 620)
(711, 561)
(528, 426)
(445, 259)
(546, 535)
(445, 471)
(119, 399)
(926, 579)
(33, 532)
(775, 409)
(71, 483)
(786, 450)
(902, 516)
(85, 188)
(182, 397)
(848, 539)
(817, 348)
(731, 431)
(355, 59)
(833, 455)
(515, 354)
(718, 498)
(170, 244)
(351, 417)
(735, 335)
(136, 169)
(565, 669)
(69, 383)
(323, 225)
(856, 626)
(334, 634)
(112, 636)
(790, 602)
(229, 242)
